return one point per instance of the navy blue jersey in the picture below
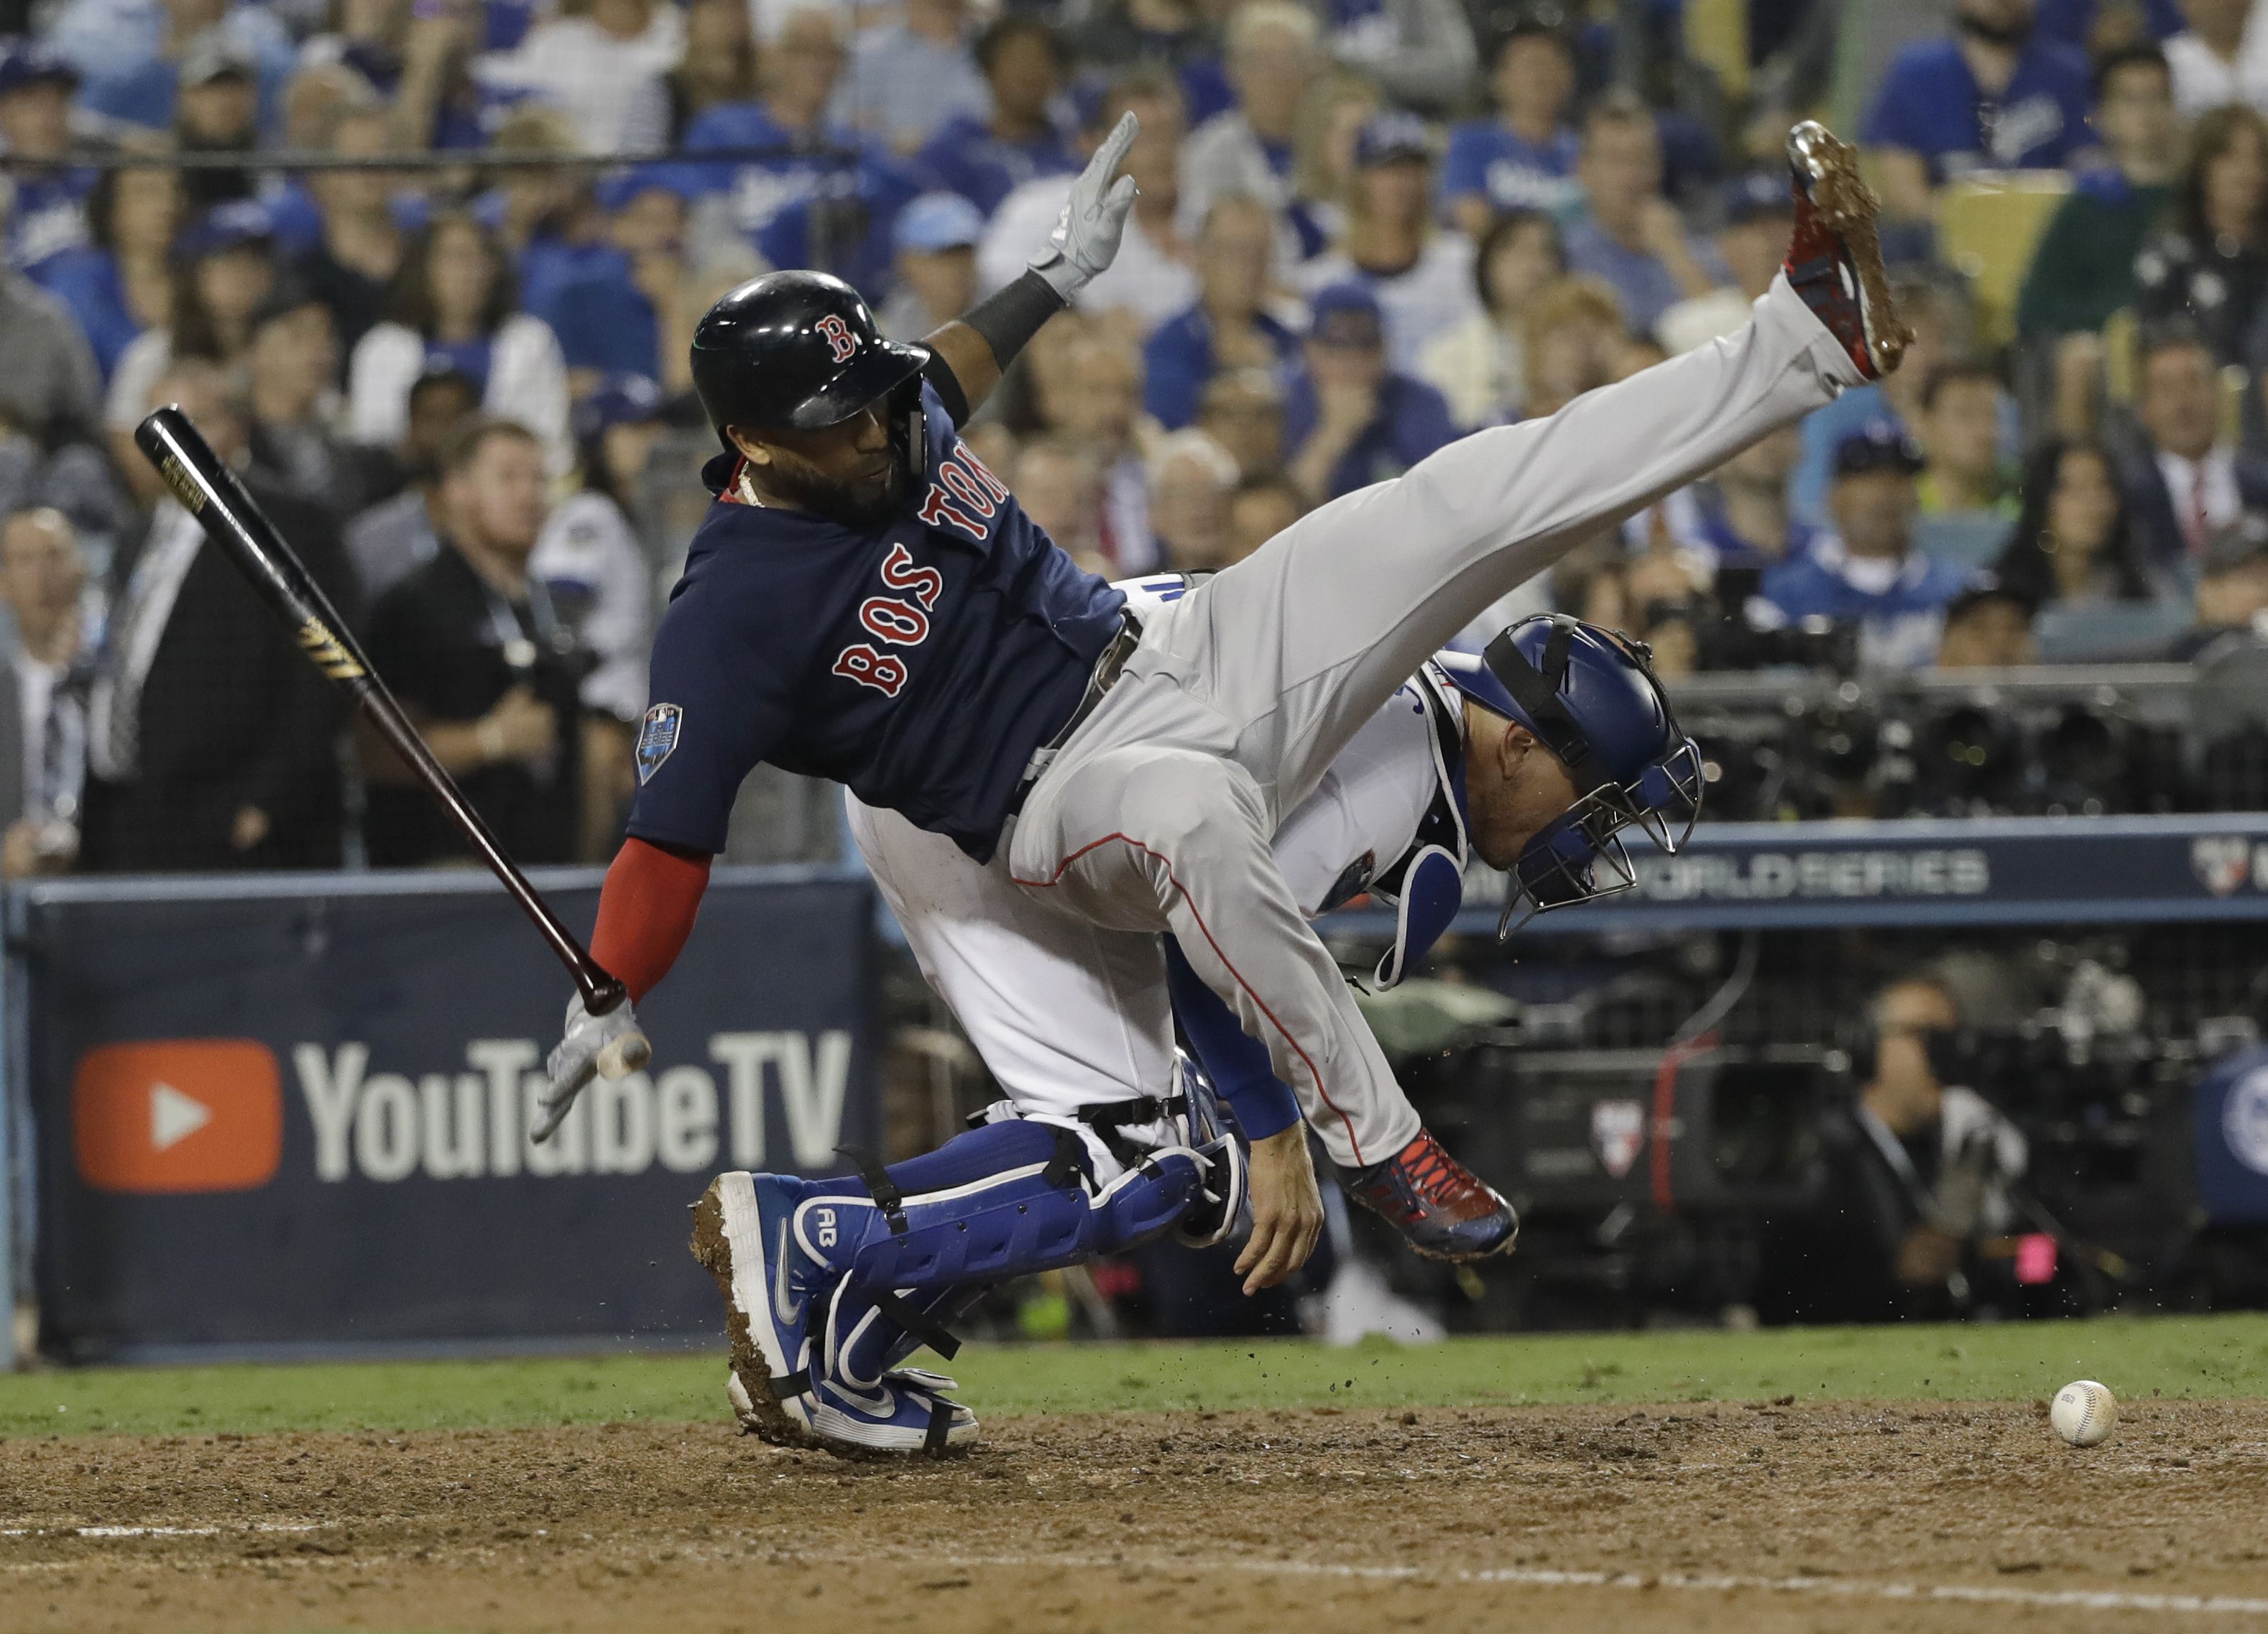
(920, 663)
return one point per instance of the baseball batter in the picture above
(866, 602)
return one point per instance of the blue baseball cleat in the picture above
(741, 1233)
(1444, 1209)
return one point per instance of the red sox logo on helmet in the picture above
(838, 336)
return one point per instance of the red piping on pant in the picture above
(1049, 883)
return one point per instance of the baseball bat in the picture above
(212, 494)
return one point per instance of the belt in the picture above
(1107, 668)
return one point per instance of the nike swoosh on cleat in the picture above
(789, 1310)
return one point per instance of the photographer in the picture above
(1918, 1172)
(489, 675)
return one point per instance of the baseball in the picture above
(2085, 1413)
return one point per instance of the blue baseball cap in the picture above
(1758, 193)
(1392, 138)
(616, 191)
(620, 400)
(224, 227)
(1346, 314)
(25, 62)
(1881, 446)
(937, 221)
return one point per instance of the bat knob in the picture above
(619, 1057)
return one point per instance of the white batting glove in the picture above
(609, 1046)
(1085, 239)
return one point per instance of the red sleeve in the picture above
(645, 912)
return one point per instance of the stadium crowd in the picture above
(1365, 228)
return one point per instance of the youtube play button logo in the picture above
(178, 1115)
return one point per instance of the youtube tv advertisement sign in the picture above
(292, 1114)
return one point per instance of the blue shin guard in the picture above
(1005, 1200)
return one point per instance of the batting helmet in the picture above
(1591, 697)
(794, 351)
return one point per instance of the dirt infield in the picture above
(1759, 1516)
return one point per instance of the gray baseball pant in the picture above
(1157, 814)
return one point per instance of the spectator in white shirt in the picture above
(1422, 274)
(604, 70)
(43, 583)
(907, 79)
(2221, 57)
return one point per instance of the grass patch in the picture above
(2195, 1356)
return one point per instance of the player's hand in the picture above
(1085, 239)
(1287, 1211)
(606, 1046)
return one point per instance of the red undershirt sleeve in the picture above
(646, 910)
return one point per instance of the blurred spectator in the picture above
(1631, 237)
(1987, 626)
(438, 99)
(1054, 482)
(291, 370)
(46, 217)
(1481, 367)
(1525, 158)
(2232, 587)
(908, 77)
(2221, 57)
(1171, 37)
(588, 557)
(129, 53)
(367, 38)
(545, 217)
(1097, 403)
(1246, 153)
(1420, 52)
(482, 664)
(1867, 572)
(2074, 545)
(1192, 477)
(1751, 240)
(624, 312)
(1323, 139)
(2083, 269)
(603, 68)
(1573, 336)
(350, 267)
(985, 157)
(719, 67)
(452, 303)
(42, 706)
(1261, 508)
(223, 267)
(936, 237)
(1151, 279)
(390, 538)
(1351, 420)
(1914, 1174)
(216, 113)
(210, 739)
(121, 283)
(1962, 406)
(1243, 411)
(2189, 480)
(1991, 95)
(1739, 518)
(1230, 327)
(1422, 275)
(2207, 264)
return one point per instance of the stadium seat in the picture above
(1969, 540)
(1988, 223)
(2122, 632)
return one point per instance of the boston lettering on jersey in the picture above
(920, 662)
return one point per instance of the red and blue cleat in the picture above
(1835, 255)
(1445, 1211)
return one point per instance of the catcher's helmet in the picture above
(794, 351)
(1591, 697)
